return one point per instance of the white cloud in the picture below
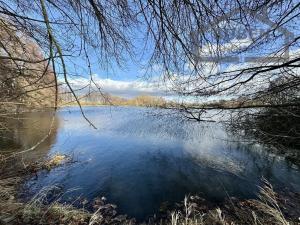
(125, 89)
(158, 86)
(233, 45)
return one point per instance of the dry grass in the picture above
(48, 163)
(266, 210)
(56, 160)
(189, 216)
(7, 188)
(37, 211)
(268, 205)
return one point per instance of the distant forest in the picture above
(97, 98)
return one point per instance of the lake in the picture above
(140, 160)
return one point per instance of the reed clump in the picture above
(263, 211)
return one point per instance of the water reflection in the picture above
(139, 162)
(24, 131)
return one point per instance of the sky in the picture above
(130, 80)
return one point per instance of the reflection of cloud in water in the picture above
(139, 161)
(210, 149)
(207, 143)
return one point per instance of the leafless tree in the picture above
(193, 41)
(244, 55)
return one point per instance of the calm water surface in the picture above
(139, 161)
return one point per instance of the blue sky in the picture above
(129, 79)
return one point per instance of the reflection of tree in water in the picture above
(276, 129)
(24, 131)
(222, 151)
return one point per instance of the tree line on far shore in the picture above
(96, 98)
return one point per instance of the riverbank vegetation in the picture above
(94, 99)
(26, 79)
(269, 208)
(47, 207)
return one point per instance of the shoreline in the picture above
(14, 210)
(233, 210)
